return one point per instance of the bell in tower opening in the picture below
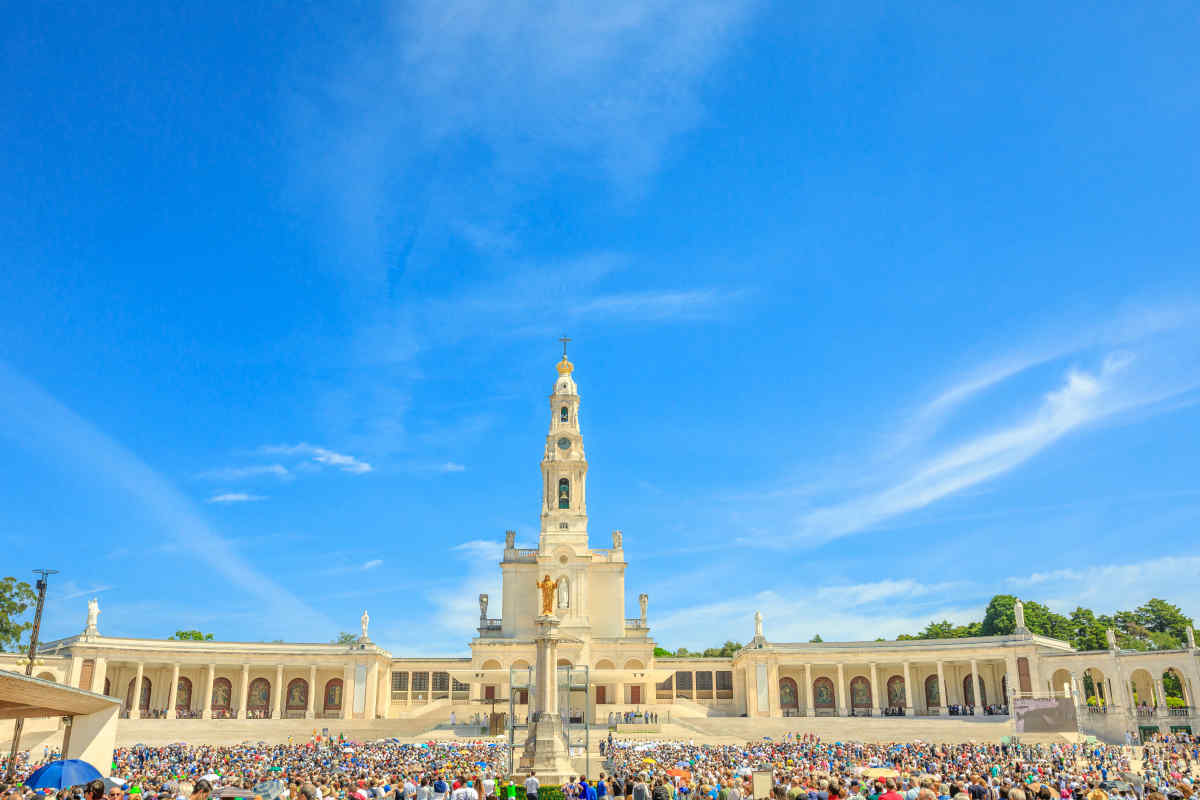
(564, 493)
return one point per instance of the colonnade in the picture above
(777, 687)
(248, 690)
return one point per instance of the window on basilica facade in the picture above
(564, 493)
(563, 414)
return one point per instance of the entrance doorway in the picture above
(601, 695)
(635, 695)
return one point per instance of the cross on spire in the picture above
(564, 340)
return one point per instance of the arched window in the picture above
(258, 696)
(895, 691)
(563, 414)
(823, 693)
(564, 493)
(333, 695)
(297, 694)
(222, 693)
(860, 692)
(933, 697)
(969, 696)
(183, 694)
(144, 698)
(789, 697)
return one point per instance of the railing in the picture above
(636, 624)
(1095, 709)
(490, 624)
(525, 554)
(1146, 713)
(1179, 711)
(927, 712)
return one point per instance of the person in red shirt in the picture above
(890, 792)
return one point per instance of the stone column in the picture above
(99, 673)
(348, 691)
(243, 691)
(774, 709)
(620, 690)
(943, 701)
(841, 689)
(135, 702)
(373, 689)
(1161, 693)
(545, 751)
(908, 701)
(1076, 693)
(1013, 680)
(277, 693)
(173, 691)
(876, 697)
(73, 675)
(206, 709)
(809, 709)
(312, 692)
(383, 694)
(975, 687)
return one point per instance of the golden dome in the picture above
(565, 367)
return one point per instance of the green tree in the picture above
(191, 636)
(345, 637)
(1000, 618)
(15, 599)
(727, 650)
(1159, 616)
(662, 652)
(816, 638)
(1088, 633)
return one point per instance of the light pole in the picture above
(33, 643)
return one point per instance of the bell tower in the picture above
(564, 467)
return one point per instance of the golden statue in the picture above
(547, 586)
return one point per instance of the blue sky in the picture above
(878, 309)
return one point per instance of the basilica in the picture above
(1113, 691)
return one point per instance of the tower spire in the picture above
(564, 464)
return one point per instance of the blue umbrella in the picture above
(62, 774)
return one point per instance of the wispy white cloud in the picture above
(451, 466)
(36, 420)
(74, 593)
(551, 88)
(235, 497)
(1142, 376)
(319, 455)
(372, 564)
(1108, 587)
(797, 617)
(240, 473)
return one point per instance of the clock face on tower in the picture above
(564, 443)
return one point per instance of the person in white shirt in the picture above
(488, 787)
(531, 786)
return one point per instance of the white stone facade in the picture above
(765, 679)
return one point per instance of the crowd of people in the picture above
(802, 767)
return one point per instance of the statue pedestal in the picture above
(546, 750)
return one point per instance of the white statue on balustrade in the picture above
(758, 620)
(643, 600)
(92, 614)
(364, 620)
